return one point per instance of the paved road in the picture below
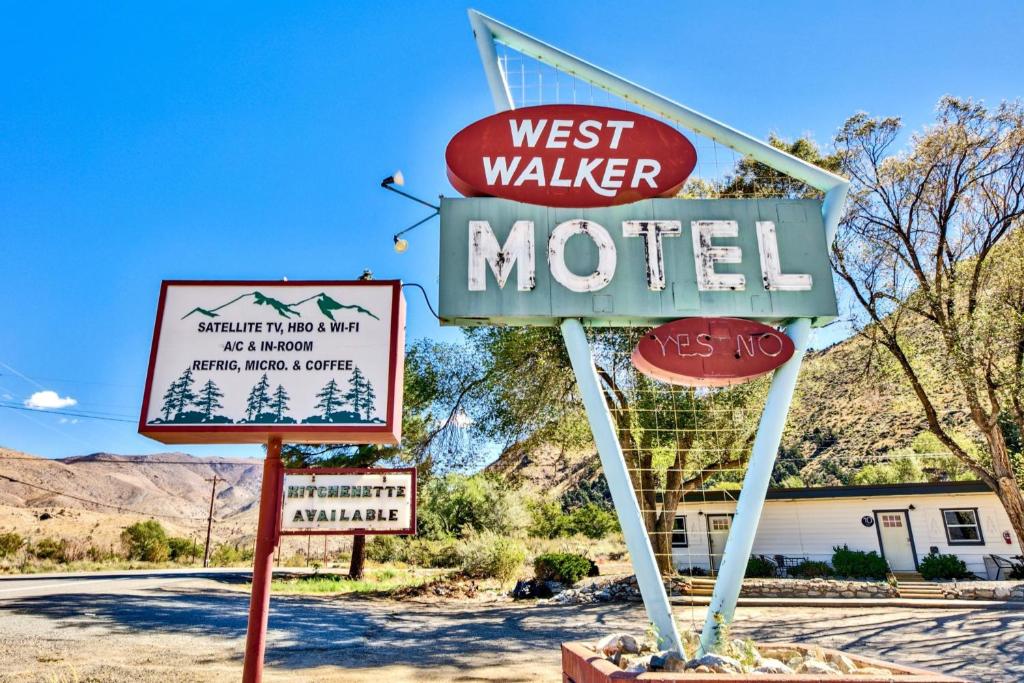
(175, 626)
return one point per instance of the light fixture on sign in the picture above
(389, 184)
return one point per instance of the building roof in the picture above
(869, 491)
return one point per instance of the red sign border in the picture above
(410, 531)
(388, 433)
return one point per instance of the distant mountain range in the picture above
(171, 487)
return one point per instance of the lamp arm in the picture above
(416, 224)
(409, 196)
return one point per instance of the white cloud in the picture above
(49, 400)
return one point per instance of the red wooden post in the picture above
(263, 563)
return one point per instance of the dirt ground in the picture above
(188, 629)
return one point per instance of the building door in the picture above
(896, 540)
(718, 532)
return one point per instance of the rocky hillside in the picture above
(103, 492)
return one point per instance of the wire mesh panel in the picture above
(720, 171)
(680, 445)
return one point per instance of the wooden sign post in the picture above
(266, 362)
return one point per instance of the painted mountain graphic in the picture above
(326, 304)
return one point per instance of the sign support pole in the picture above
(755, 487)
(645, 565)
(263, 563)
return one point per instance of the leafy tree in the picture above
(258, 399)
(209, 397)
(10, 542)
(280, 402)
(330, 399)
(360, 394)
(180, 548)
(146, 541)
(931, 253)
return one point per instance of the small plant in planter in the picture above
(940, 566)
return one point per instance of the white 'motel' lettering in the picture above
(518, 252)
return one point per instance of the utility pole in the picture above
(209, 518)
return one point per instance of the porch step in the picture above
(913, 586)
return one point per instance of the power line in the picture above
(15, 406)
(119, 508)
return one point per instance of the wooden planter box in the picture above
(580, 664)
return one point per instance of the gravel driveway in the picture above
(194, 630)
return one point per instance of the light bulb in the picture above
(398, 178)
(401, 245)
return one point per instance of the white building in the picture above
(902, 522)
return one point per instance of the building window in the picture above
(679, 537)
(962, 527)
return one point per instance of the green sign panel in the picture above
(639, 264)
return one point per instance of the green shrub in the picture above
(385, 548)
(547, 519)
(146, 541)
(593, 521)
(567, 568)
(457, 504)
(47, 549)
(939, 566)
(811, 569)
(759, 568)
(424, 552)
(858, 564)
(488, 555)
(226, 554)
(10, 543)
(181, 549)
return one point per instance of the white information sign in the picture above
(349, 501)
(241, 362)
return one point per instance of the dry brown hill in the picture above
(100, 493)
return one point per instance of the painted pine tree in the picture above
(330, 397)
(360, 394)
(169, 400)
(280, 402)
(183, 394)
(258, 399)
(209, 398)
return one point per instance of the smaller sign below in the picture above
(340, 501)
(711, 352)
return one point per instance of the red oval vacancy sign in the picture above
(569, 155)
(711, 352)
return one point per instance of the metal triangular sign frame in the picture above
(487, 32)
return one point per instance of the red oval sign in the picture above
(711, 352)
(569, 155)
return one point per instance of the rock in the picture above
(637, 664)
(843, 663)
(549, 588)
(628, 644)
(609, 645)
(719, 664)
(813, 666)
(670, 662)
(602, 596)
(772, 666)
(702, 670)
(781, 653)
(524, 590)
(617, 643)
(874, 671)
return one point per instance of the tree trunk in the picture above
(1006, 488)
(661, 541)
(355, 567)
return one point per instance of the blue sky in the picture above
(203, 140)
